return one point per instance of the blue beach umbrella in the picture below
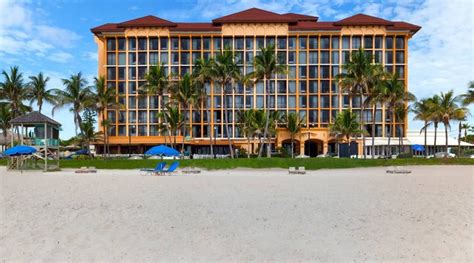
(417, 147)
(20, 150)
(162, 150)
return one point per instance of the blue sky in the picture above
(53, 36)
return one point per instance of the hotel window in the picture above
(217, 44)
(185, 58)
(335, 101)
(400, 42)
(281, 43)
(345, 42)
(335, 71)
(313, 57)
(325, 116)
(153, 43)
(378, 56)
(303, 101)
(346, 57)
(121, 44)
(291, 57)
(142, 102)
(175, 58)
(122, 58)
(132, 58)
(324, 57)
(324, 101)
(260, 103)
(368, 42)
(239, 43)
(302, 85)
(121, 88)
(325, 42)
(142, 58)
(313, 72)
(356, 42)
(292, 72)
(111, 73)
(292, 43)
(260, 43)
(174, 43)
(164, 43)
(302, 57)
(325, 86)
(122, 130)
(302, 72)
(111, 58)
(400, 57)
(112, 130)
(142, 116)
(334, 87)
(313, 116)
(153, 58)
(324, 72)
(313, 101)
(196, 43)
(111, 44)
(195, 57)
(270, 41)
(248, 102)
(281, 55)
(388, 57)
(249, 43)
(291, 101)
(121, 73)
(164, 58)
(271, 102)
(378, 41)
(302, 42)
(313, 42)
(239, 57)
(389, 42)
(184, 43)
(141, 72)
(400, 71)
(142, 130)
(132, 102)
(335, 42)
(142, 44)
(132, 44)
(291, 87)
(313, 86)
(206, 43)
(153, 102)
(281, 103)
(335, 57)
(228, 42)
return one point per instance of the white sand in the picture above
(326, 215)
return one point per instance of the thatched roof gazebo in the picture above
(41, 132)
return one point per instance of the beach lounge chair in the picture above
(301, 170)
(84, 170)
(397, 170)
(292, 170)
(172, 168)
(150, 171)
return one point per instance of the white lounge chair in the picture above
(397, 170)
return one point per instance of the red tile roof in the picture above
(363, 20)
(147, 21)
(189, 27)
(300, 17)
(296, 22)
(254, 15)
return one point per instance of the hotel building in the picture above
(313, 50)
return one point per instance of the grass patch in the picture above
(309, 164)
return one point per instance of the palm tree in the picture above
(246, 119)
(157, 83)
(400, 113)
(203, 72)
(260, 124)
(434, 104)
(14, 91)
(468, 98)
(5, 118)
(266, 65)
(105, 98)
(186, 94)
(358, 80)
(77, 95)
(396, 96)
(450, 110)
(465, 127)
(175, 121)
(294, 124)
(345, 126)
(88, 135)
(422, 112)
(38, 92)
(376, 97)
(226, 72)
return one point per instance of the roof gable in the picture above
(34, 118)
(147, 21)
(254, 15)
(363, 20)
(300, 17)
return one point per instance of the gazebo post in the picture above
(45, 146)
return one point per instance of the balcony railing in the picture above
(41, 142)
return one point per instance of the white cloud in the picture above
(24, 32)
(90, 55)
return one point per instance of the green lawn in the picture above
(309, 164)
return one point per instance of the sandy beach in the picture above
(239, 215)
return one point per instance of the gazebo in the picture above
(41, 132)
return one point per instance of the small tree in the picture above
(345, 126)
(294, 124)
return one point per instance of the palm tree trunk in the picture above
(446, 138)
(184, 129)
(389, 151)
(348, 146)
(267, 118)
(226, 120)
(211, 129)
(426, 137)
(435, 136)
(164, 116)
(292, 147)
(459, 140)
(362, 124)
(373, 131)
(249, 147)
